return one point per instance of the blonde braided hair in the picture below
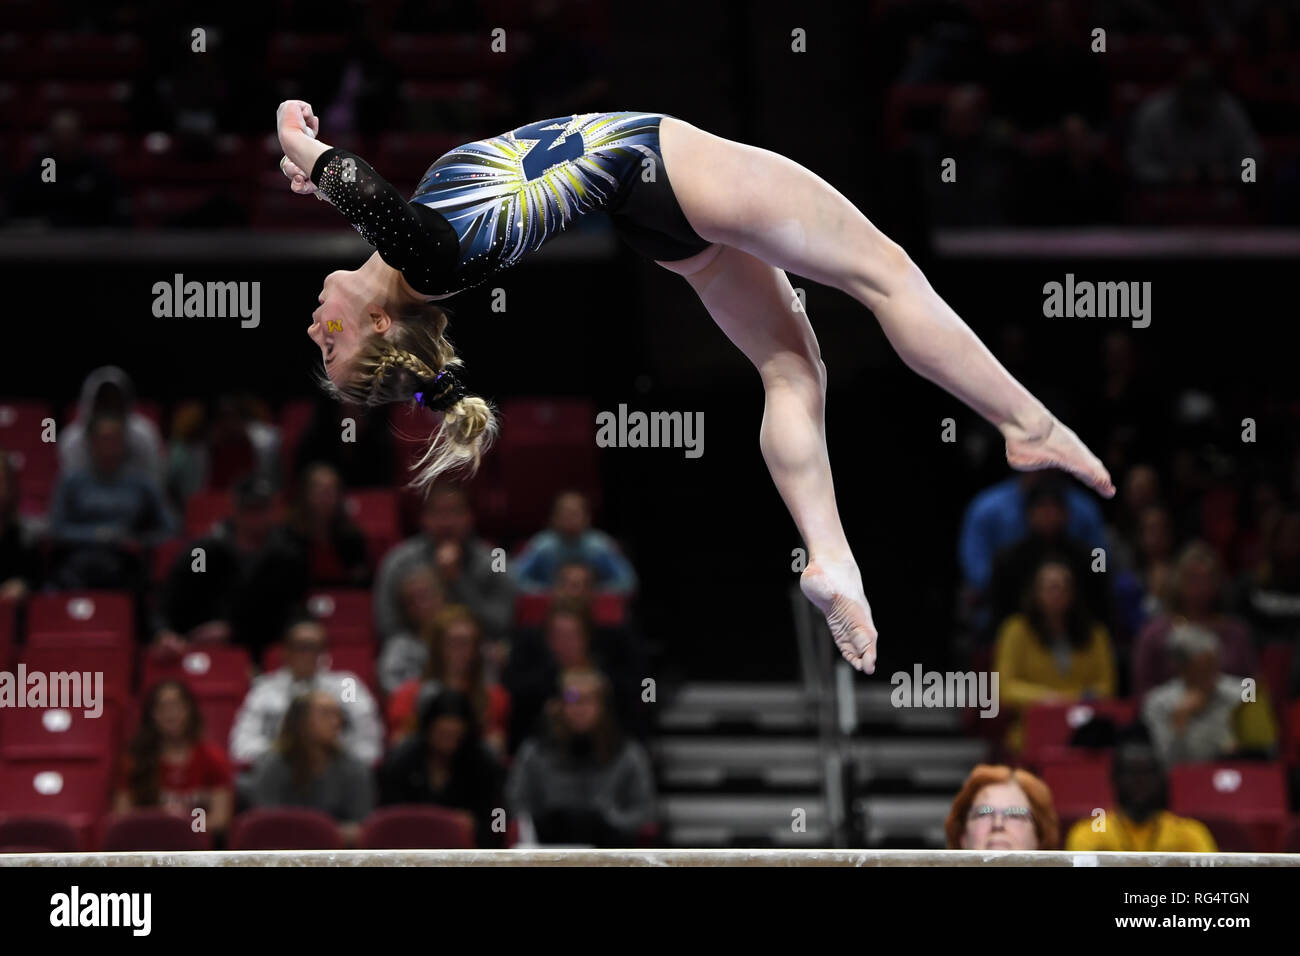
(394, 366)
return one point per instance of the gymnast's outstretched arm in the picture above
(412, 238)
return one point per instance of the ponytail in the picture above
(402, 366)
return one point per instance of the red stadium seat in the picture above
(547, 446)
(1251, 794)
(22, 424)
(220, 670)
(56, 733)
(37, 470)
(206, 509)
(82, 611)
(1291, 840)
(607, 610)
(375, 513)
(1079, 785)
(218, 718)
(59, 654)
(284, 828)
(417, 828)
(164, 556)
(347, 608)
(74, 791)
(530, 609)
(37, 834)
(70, 638)
(1048, 727)
(1231, 836)
(152, 830)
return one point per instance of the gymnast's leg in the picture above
(775, 209)
(753, 303)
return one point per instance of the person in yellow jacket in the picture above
(1139, 822)
(1053, 652)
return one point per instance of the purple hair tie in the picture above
(449, 395)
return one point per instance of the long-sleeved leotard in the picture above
(483, 206)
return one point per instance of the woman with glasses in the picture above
(999, 808)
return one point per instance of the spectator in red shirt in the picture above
(170, 765)
(455, 662)
(319, 527)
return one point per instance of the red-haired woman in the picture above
(999, 808)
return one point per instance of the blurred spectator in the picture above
(108, 391)
(463, 562)
(572, 539)
(1053, 652)
(405, 654)
(1154, 558)
(104, 518)
(1139, 823)
(999, 808)
(260, 715)
(221, 446)
(1139, 490)
(309, 766)
(169, 763)
(1201, 714)
(20, 566)
(332, 546)
(1015, 566)
(566, 642)
(581, 781)
(83, 190)
(453, 660)
(1195, 597)
(981, 150)
(365, 462)
(247, 586)
(1271, 592)
(445, 763)
(1193, 132)
(996, 519)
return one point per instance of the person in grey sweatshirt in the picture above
(105, 517)
(582, 782)
(464, 564)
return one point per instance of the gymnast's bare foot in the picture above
(836, 590)
(1052, 445)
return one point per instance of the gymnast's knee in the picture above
(890, 272)
(804, 373)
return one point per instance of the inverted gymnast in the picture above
(732, 221)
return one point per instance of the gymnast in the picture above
(731, 222)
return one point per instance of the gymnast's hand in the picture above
(298, 180)
(296, 126)
(296, 115)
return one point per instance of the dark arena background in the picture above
(1136, 657)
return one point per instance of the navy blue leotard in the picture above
(483, 206)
